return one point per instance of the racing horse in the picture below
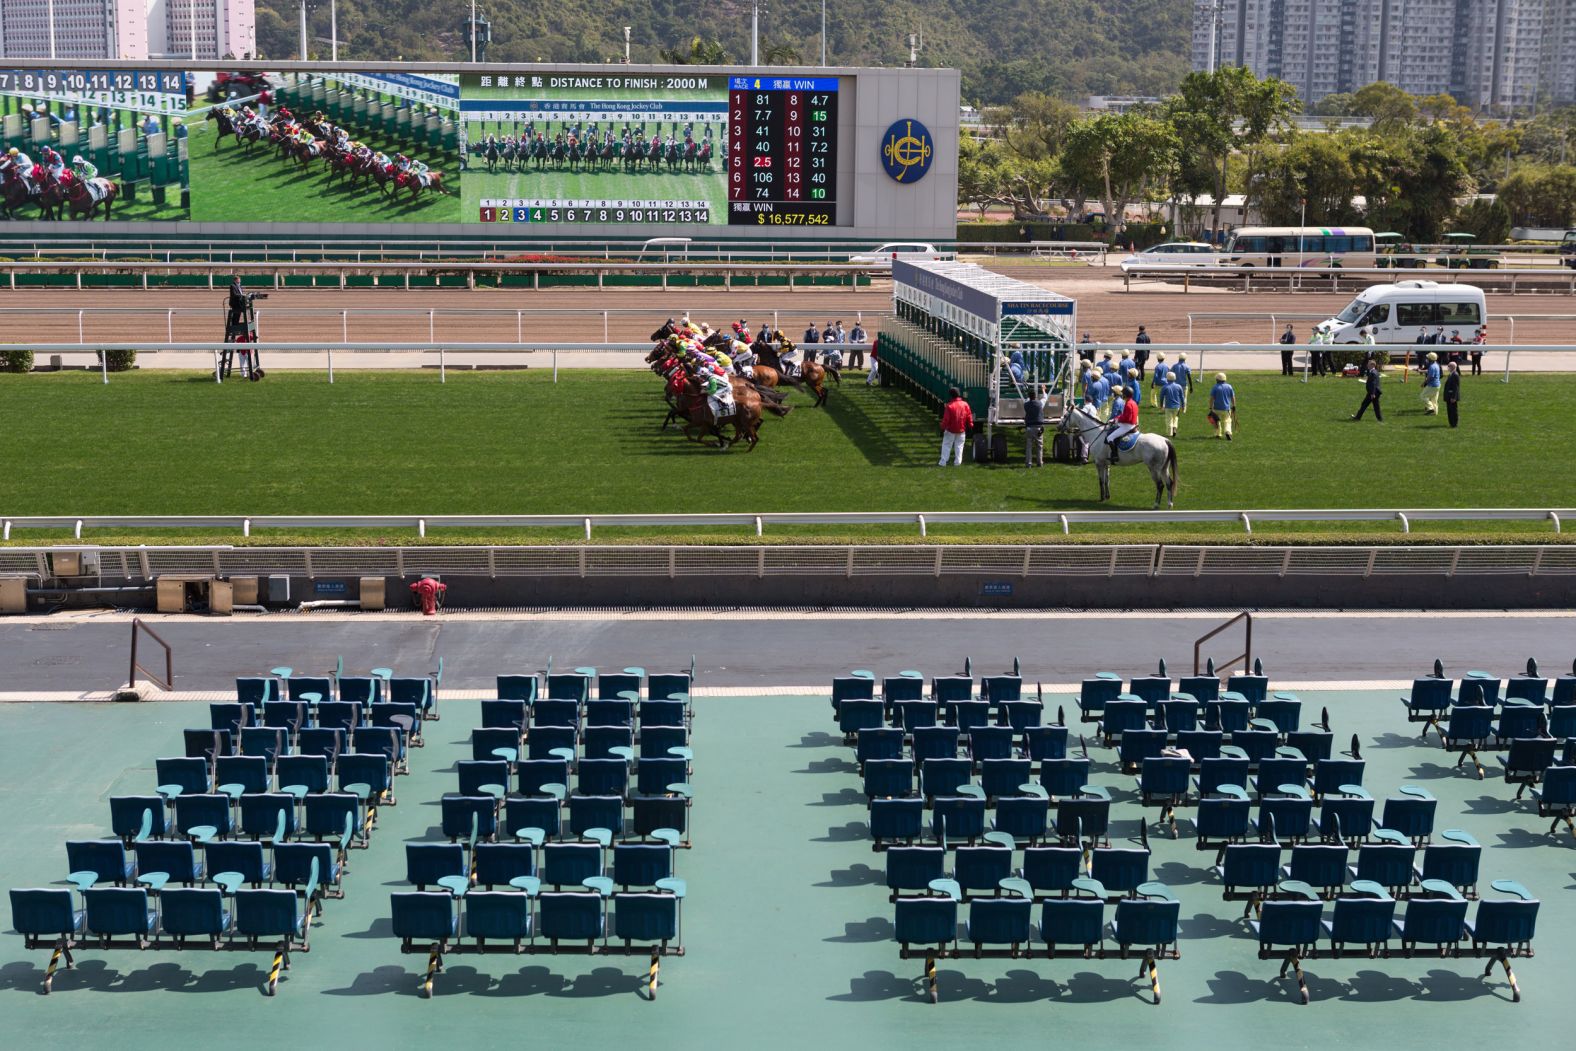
(77, 198)
(811, 374)
(1151, 450)
(244, 134)
(14, 193)
(492, 154)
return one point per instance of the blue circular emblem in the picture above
(907, 150)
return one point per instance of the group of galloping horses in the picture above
(688, 357)
(358, 167)
(632, 152)
(65, 197)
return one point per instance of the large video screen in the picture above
(94, 144)
(605, 147)
(325, 148)
(644, 149)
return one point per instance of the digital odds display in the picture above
(644, 149)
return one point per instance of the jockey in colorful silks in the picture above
(1126, 423)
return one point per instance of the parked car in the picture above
(882, 255)
(1172, 254)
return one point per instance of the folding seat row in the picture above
(1069, 927)
(1291, 926)
(1253, 870)
(562, 864)
(393, 738)
(654, 740)
(1084, 815)
(541, 818)
(125, 917)
(645, 922)
(612, 776)
(1034, 743)
(988, 869)
(314, 691)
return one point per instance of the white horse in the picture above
(1151, 450)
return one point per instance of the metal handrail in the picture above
(756, 522)
(1244, 657)
(168, 682)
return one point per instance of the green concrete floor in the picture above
(787, 923)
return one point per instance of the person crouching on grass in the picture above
(956, 419)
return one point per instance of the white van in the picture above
(1401, 312)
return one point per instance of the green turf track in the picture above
(516, 443)
(231, 186)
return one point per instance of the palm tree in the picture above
(783, 54)
(702, 52)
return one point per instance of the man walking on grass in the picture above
(956, 419)
(1372, 393)
(1453, 393)
(1431, 385)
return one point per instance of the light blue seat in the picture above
(913, 868)
(896, 819)
(496, 864)
(497, 915)
(1000, 921)
(115, 912)
(193, 912)
(425, 917)
(571, 916)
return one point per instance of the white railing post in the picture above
(331, 364)
(169, 325)
(344, 326)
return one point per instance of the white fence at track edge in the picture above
(1000, 560)
(757, 522)
(445, 347)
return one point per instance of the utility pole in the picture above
(823, 32)
(473, 32)
(755, 33)
(333, 30)
(626, 45)
(52, 29)
(303, 30)
(1215, 15)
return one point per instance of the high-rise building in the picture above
(1499, 54)
(74, 30)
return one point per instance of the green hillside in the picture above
(1069, 48)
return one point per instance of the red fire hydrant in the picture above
(429, 591)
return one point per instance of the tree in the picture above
(1120, 157)
(1490, 220)
(702, 52)
(1335, 104)
(782, 54)
(1221, 113)
(1385, 104)
(1313, 167)
(1033, 125)
(1540, 194)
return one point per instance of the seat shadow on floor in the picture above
(855, 876)
(99, 976)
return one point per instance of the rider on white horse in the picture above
(1125, 421)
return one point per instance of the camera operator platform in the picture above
(240, 327)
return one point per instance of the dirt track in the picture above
(1108, 313)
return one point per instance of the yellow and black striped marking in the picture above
(273, 972)
(651, 975)
(930, 977)
(434, 965)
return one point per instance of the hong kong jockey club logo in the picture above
(906, 151)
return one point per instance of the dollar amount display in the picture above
(782, 151)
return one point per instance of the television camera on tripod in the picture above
(240, 328)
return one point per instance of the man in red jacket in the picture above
(1125, 423)
(956, 419)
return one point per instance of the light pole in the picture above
(823, 32)
(303, 30)
(333, 30)
(755, 33)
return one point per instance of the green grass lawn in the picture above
(231, 186)
(516, 443)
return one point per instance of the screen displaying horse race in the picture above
(650, 149)
(620, 149)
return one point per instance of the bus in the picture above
(1300, 246)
